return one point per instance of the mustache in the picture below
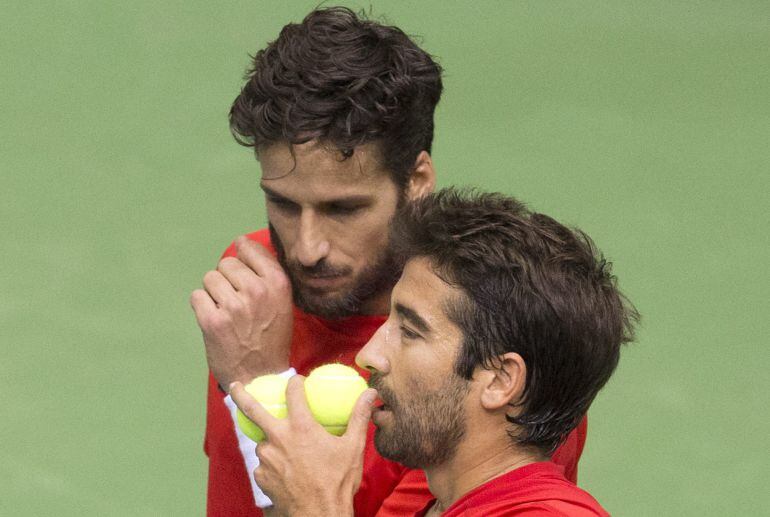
(385, 394)
(320, 269)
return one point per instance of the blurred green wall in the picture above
(647, 124)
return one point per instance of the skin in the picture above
(300, 439)
(422, 417)
(245, 314)
(324, 209)
(409, 357)
(329, 214)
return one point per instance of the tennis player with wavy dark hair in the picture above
(503, 328)
(340, 113)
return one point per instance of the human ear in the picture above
(422, 179)
(504, 383)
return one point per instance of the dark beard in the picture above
(427, 429)
(376, 279)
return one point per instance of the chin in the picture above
(326, 306)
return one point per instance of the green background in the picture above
(647, 124)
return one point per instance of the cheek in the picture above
(423, 371)
(285, 227)
(362, 238)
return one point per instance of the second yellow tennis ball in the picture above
(270, 391)
(331, 391)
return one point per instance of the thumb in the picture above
(359, 418)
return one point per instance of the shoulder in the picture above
(544, 508)
(538, 489)
(260, 236)
(553, 509)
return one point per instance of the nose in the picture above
(312, 245)
(372, 356)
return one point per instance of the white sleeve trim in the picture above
(249, 449)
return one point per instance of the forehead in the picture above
(420, 289)
(314, 170)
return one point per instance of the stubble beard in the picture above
(427, 429)
(377, 278)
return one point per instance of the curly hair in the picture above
(343, 80)
(530, 286)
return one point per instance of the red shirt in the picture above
(534, 490)
(387, 488)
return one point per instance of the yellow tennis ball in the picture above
(270, 391)
(331, 391)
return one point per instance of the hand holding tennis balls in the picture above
(331, 391)
(297, 453)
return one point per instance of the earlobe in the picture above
(422, 180)
(505, 383)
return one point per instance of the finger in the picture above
(218, 287)
(263, 480)
(359, 418)
(270, 511)
(236, 272)
(202, 304)
(256, 257)
(253, 410)
(296, 401)
(265, 473)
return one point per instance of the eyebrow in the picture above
(348, 200)
(412, 316)
(272, 193)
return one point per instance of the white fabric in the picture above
(249, 449)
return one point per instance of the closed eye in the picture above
(408, 333)
(282, 203)
(341, 209)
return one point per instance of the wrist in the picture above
(250, 370)
(288, 373)
(340, 503)
(337, 508)
(320, 501)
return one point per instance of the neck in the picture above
(473, 466)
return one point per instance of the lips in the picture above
(319, 272)
(381, 414)
(321, 281)
(322, 277)
(382, 403)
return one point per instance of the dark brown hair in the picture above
(531, 286)
(344, 80)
